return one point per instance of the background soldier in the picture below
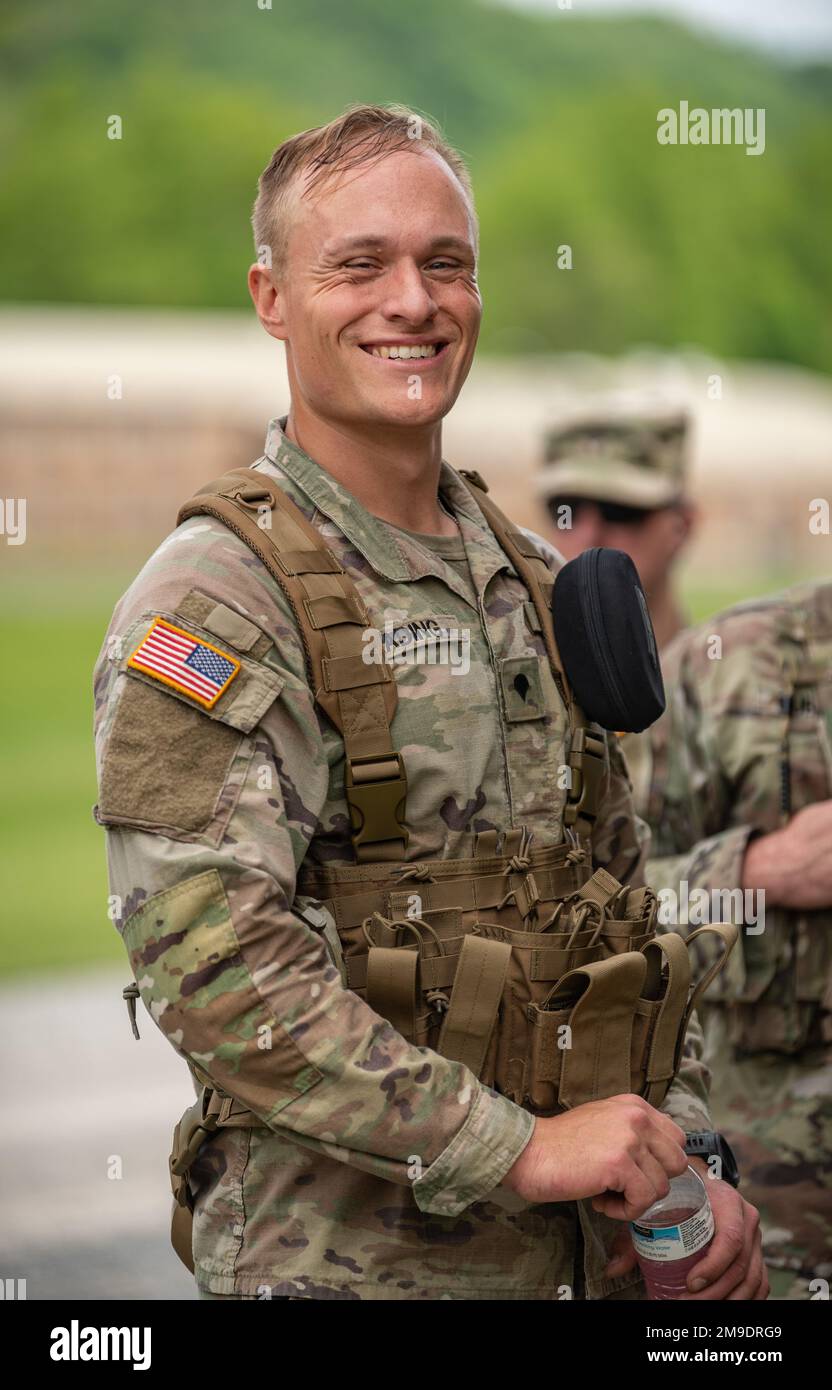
(740, 800)
(619, 479)
(274, 834)
(623, 479)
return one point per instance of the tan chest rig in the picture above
(546, 980)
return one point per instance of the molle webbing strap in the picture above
(587, 759)
(672, 990)
(358, 697)
(728, 934)
(475, 1000)
(597, 1062)
(513, 841)
(439, 972)
(393, 985)
(481, 892)
(435, 972)
(600, 888)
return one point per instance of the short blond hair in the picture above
(360, 135)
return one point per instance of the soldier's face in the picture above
(379, 298)
(652, 545)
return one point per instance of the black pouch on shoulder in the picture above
(606, 640)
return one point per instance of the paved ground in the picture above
(82, 1100)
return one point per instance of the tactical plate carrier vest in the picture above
(547, 980)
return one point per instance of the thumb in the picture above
(623, 1256)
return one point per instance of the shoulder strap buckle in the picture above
(376, 788)
(587, 762)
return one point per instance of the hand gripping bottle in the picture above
(672, 1236)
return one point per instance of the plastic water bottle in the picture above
(673, 1235)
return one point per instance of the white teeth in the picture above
(405, 352)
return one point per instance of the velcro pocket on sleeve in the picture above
(194, 982)
(165, 764)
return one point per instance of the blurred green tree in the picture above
(557, 114)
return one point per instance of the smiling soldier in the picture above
(352, 890)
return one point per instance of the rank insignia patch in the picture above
(185, 662)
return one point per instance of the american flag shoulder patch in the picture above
(187, 663)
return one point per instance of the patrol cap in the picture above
(635, 461)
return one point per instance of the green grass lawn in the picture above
(54, 867)
(54, 879)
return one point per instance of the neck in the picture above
(394, 473)
(665, 613)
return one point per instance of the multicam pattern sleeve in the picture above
(743, 746)
(701, 826)
(689, 798)
(209, 813)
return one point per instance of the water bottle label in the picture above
(676, 1242)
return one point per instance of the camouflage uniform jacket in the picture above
(372, 1177)
(745, 742)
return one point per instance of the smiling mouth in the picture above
(404, 352)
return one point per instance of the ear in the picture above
(679, 522)
(686, 517)
(267, 298)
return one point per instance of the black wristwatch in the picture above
(706, 1143)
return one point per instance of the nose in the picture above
(407, 294)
